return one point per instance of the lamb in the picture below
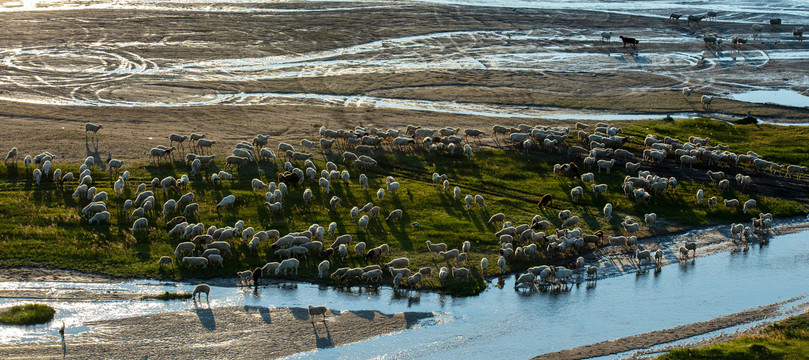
(286, 265)
(199, 290)
(195, 261)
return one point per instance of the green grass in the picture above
(30, 314)
(42, 225)
(169, 296)
(786, 339)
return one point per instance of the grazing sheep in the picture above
(100, 217)
(683, 252)
(398, 263)
(461, 273)
(712, 201)
(193, 261)
(479, 200)
(395, 215)
(359, 248)
(749, 204)
(605, 37)
(227, 201)
(545, 200)
(732, 203)
(468, 199)
(694, 19)
(317, 310)
(165, 260)
(573, 221)
(286, 265)
(363, 222)
(139, 224)
(199, 290)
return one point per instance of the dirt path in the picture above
(218, 333)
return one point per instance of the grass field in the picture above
(786, 339)
(42, 225)
(30, 314)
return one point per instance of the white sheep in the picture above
(363, 222)
(324, 184)
(502, 263)
(604, 164)
(398, 263)
(140, 224)
(466, 246)
(395, 215)
(359, 248)
(700, 194)
(479, 200)
(100, 217)
(599, 189)
(165, 260)
(608, 211)
(435, 247)
(200, 289)
(227, 201)
(286, 265)
(577, 193)
(468, 199)
(363, 181)
(749, 204)
(380, 194)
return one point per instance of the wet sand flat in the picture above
(218, 333)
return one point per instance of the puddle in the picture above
(777, 97)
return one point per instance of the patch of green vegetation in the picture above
(42, 225)
(786, 339)
(169, 296)
(30, 314)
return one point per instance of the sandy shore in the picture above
(219, 333)
(649, 339)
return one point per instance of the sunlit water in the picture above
(484, 325)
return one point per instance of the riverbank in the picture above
(229, 332)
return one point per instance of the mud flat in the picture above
(228, 332)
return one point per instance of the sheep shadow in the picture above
(323, 342)
(264, 312)
(299, 313)
(205, 316)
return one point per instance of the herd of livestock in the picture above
(601, 149)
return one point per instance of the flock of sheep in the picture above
(602, 149)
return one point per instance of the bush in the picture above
(30, 314)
